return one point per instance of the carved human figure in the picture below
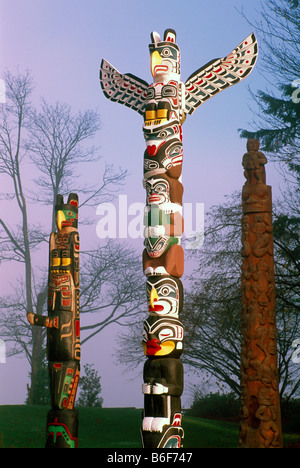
(63, 325)
(253, 162)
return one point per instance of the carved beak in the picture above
(165, 348)
(59, 219)
(153, 297)
(152, 347)
(155, 60)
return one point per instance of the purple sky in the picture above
(62, 43)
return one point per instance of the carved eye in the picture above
(150, 164)
(163, 134)
(169, 91)
(150, 93)
(160, 245)
(167, 291)
(164, 291)
(165, 333)
(166, 52)
(175, 150)
(160, 188)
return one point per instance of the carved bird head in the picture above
(165, 56)
(162, 336)
(67, 213)
(164, 295)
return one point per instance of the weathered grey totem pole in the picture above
(164, 105)
(63, 326)
(260, 419)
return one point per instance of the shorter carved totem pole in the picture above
(63, 326)
(164, 105)
(260, 419)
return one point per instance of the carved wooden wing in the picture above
(219, 74)
(126, 89)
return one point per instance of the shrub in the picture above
(215, 406)
(290, 414)
(90, 388)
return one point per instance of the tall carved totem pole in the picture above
(260, 419)
(164, 105)
(63, 326)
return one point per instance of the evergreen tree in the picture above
(281, 132)
(276, 121)
(41, 393)
(90, 388)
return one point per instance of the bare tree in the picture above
(13, 116)
(112, 281)
(57, 145)
(56, 141)
(212, 308)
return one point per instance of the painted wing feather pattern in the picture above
(126, 89)
(220, 73)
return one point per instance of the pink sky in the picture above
(62, 43)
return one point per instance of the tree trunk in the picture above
(37, 346)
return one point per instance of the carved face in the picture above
(164, 153)
(164, 296)
(165, 56)
(67, 214)
(157, 191)
(157, 136)
(156, 246)
(162, 337)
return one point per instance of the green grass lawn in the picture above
(24, 427)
